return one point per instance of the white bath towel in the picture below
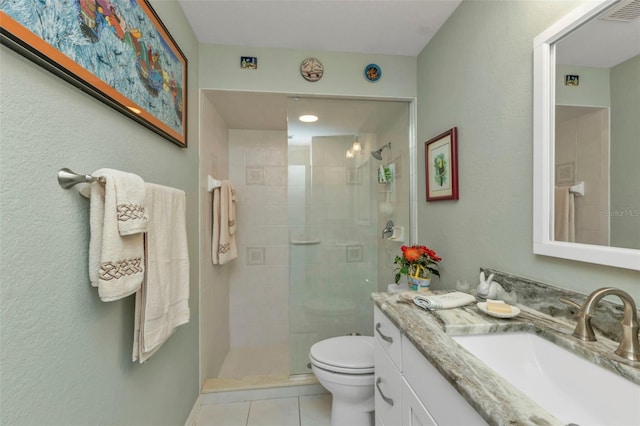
(116, 262)
(162, 304)
(564, 214)
(223, 238)
(444, 301)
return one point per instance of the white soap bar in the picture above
(498, 307)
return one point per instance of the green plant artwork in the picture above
(440, 169)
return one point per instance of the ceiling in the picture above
(393, 27)
(602, 42)
(390, 27)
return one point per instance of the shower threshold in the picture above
(226, 384)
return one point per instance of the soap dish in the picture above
(515, 311)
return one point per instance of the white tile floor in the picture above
(311, 410)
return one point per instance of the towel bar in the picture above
(578, 189)
(68, 178)
(213, 183)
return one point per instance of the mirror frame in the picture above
(543, 149)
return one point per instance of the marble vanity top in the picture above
(494, 398)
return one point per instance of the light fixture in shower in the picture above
(356, 146)
(308, 118)
(378, 154)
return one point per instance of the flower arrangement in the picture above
(417, 261)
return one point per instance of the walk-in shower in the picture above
(309, 222)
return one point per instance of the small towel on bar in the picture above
(223, 238)
(129, 193)
(116, 261)
(162, 303)
(444, 301)
(564, 214)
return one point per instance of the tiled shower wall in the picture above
(582, 143)
(259, 280)
(316, 194)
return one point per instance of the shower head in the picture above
(378, 154)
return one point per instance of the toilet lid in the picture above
(344, 354)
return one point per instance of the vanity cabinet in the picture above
(387, 358)
(409, 390)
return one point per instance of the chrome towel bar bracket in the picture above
(68, 179)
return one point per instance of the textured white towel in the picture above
(230, 201)
(444, 301)
(162, 304)
(116, 262)
(223, 238)
(129, 196)
(564, 214)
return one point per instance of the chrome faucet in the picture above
(388, 230)
(629, 347)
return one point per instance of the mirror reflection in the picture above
(597, 130)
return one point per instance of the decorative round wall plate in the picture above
(311, 69)
(372, 73)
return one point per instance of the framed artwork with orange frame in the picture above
(115, 50)
(441, 166)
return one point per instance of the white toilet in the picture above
(344, 366)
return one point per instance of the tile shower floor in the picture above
(311, 410)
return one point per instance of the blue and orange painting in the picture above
(119, 42)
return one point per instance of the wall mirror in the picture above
(587, 135)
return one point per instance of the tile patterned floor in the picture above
(312, 410)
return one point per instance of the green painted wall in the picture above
(477, 74)
(279, 71)
(66, 356)
(593, 89)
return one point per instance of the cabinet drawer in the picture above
(388, 389)
(442, 401)
(388, 336)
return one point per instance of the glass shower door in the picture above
(332, 245)
(336, 214)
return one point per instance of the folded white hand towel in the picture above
(162, 304)
(129, 195)
(116, 262)
(444, 301)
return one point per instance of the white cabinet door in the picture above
(388, 388)
(439, 397)
(413, 412)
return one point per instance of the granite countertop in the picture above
(499, 402)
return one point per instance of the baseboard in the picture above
(193, 415)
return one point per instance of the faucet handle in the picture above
(570, 303)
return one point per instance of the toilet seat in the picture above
(344, 354)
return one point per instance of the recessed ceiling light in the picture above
(308, 118)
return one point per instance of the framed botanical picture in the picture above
(115, 50)
(441, 166)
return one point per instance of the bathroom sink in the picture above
(572, 389)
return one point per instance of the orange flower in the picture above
(417, 260)
(412, 254)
